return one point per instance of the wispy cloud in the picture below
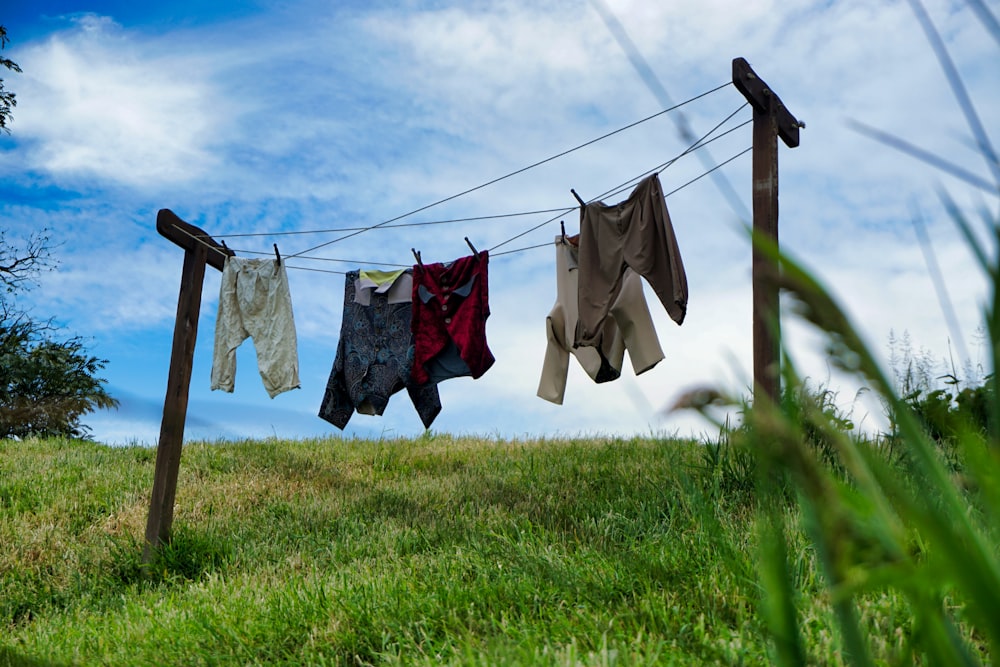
(94, 103)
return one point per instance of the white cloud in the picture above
(118, 290)
(95, 103)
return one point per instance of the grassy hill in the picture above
(437, 550)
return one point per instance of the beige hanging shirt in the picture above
(629, 326)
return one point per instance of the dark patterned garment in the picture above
(374, 359)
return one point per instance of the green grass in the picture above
(437, 550)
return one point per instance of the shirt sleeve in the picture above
(555, 368)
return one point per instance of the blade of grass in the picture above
(986, 17)
(976, 568)
(958, 89)
(892, 141)
(940, 289)
(779, 593)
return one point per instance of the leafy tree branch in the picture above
(7, 99)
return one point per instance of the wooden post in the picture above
(770, 120)
(199, 250)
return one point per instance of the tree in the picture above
(46, 384)
(7, 98)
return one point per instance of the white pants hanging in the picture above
(254, 301)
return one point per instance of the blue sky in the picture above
(298, 116)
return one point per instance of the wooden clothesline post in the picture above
(199, 250)
(770, 120)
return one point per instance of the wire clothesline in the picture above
(494, 254)
(497, 216)
(511, 174)
(700, 143)
(621, 188)
(401, 224)
(497, 254)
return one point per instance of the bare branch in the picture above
(20, 265)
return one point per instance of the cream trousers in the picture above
(254, 301)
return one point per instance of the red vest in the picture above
(450, 305)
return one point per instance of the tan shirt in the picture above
(629, 326)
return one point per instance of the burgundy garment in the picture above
(450, 307)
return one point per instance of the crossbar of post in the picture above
(200, 250)
(770, 120)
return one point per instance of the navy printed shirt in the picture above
(374, 359)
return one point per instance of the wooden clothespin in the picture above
(578, 197)
(472, 247)
(277, 255)
(416, 256)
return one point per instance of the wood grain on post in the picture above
(199, 250)
(770, 120)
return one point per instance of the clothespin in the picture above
(226, 251)
(578, 197)
(416, 256)
(472, 247)
(562, 226)
(277, 255)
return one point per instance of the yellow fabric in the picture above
(380, 277)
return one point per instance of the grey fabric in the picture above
(447, 364)
(399, 290)
(635, 233)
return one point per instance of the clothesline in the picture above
(415, 328)
(619, 243)
(703, 141)
(477, 218)
(492, 254)
(497, 216)
(401, 224)
(513, 173)
(700, 143)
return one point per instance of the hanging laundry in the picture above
(375, 352)
(635, 233)
(254, 302)
(450, 308)
(628, 327)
